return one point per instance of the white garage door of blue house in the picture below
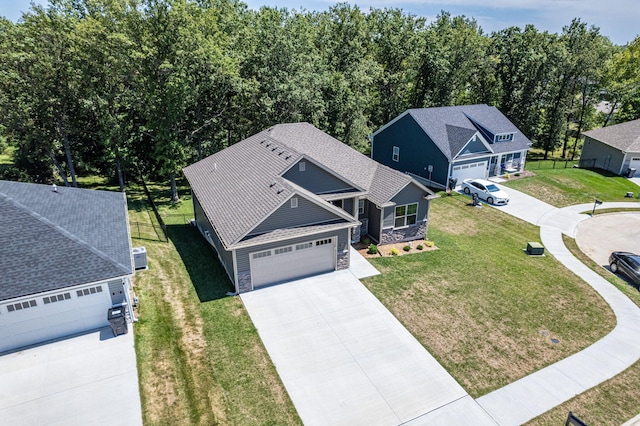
(470, 171)
(292, 262)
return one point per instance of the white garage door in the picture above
(635, 164)
(470, 171)
(292, 262)
(51, 316)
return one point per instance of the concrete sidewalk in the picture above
(539, 392)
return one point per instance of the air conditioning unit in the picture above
(140, 258)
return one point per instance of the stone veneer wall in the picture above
(244, 282)
(343, 260)
(410, 233)
(355, 234)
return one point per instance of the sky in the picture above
(617, 19)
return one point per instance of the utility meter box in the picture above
(535, 249)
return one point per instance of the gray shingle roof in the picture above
(624, 136)
(234, 186)
(52, 240)
(449, 126)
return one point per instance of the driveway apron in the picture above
(91, 379)
(345, 359)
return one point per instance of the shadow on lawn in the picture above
(207, 274)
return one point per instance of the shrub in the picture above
(406, 248)
(394, 252)
(419, 247)
(517, 174)
(429, 243)
(366, 241)
(507, 175)
(373, 249)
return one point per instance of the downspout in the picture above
(125, 284)
(235, 272)
(381, 223)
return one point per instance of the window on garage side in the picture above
(261, 254)
(360, 206)
(406, 215)
(396, 153)
(21, 305)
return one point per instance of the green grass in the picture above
(483, 308)
(565, 187)
(612, 402)
(200, 359)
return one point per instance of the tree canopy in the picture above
(127, 87)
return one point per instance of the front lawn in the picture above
(565, 187)
(485, 310)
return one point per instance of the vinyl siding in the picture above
(409, 195)
(242, 255)
(417, 150)
(474, 147)
(607, 157)
(307, 213)
(225, 257)
(373, 214)
(315, 179)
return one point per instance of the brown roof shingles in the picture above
(242, 184)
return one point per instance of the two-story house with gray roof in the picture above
(66, 259)
(288, 202)
(462, 142)
(614, 148)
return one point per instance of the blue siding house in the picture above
(289, 201)
(435, 144)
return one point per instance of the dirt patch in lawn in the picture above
(397, 249)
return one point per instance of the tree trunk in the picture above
(61, 172)
(67, 150)
(119, 172)
(610, 115)
(174, 189)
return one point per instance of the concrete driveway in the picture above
(90, 379)
(345, 359)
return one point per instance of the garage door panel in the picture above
(53, 320)
(470, 171)
(296, 263)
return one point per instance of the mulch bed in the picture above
(385, 250)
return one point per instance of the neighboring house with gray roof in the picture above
(614, 148)
(462, 142)
(289, 201)
(66, 259)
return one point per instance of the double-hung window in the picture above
(406, 215)
(396, 153)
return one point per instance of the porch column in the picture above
(356, 200)
(498, 169)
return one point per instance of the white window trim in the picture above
(294, 202)
(406, 214)
(360, 206)
(396, 154)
